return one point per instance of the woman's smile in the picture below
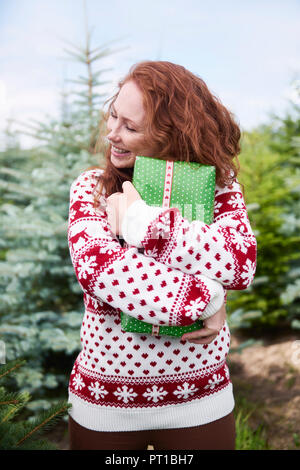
(119, 152)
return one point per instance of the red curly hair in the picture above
(184, 121)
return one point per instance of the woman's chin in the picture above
(122, 162)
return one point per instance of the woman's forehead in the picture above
(129, 102)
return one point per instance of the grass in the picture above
(248, 438)
(296, 439)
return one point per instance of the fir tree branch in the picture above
(7, 416)
(10, 402)
(10, 367)
(43, 423)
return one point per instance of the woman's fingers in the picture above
(200, 333)
(203, 336)
(206, 340)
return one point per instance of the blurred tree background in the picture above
(41, 306)
(270, 173)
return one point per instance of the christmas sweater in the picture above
(169, 272)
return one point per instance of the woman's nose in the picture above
(113, 133)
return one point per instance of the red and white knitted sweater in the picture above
(169, 272)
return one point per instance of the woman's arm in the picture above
(224, 251)
(126, 279)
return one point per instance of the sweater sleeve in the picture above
(224, 251)
(126, 279)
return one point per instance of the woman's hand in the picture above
(211, 329)
(117, 205)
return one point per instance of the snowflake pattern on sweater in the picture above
(117, 369)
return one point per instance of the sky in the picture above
(247, 51)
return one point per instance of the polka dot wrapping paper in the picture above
(188, 186)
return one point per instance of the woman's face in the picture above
(126, 127)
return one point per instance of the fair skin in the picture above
(126, 134)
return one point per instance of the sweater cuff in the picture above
(136, 221)
(217, 298)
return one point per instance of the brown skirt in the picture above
(218, 435)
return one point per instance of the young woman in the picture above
(130, 390)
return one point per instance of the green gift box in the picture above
(188, 186)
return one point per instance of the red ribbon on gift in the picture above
(166, 203)
(168, 184)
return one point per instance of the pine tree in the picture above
(270, 173)
(24, 434)
(41, 304)
(286, 141)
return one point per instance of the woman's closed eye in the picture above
(115, 117)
